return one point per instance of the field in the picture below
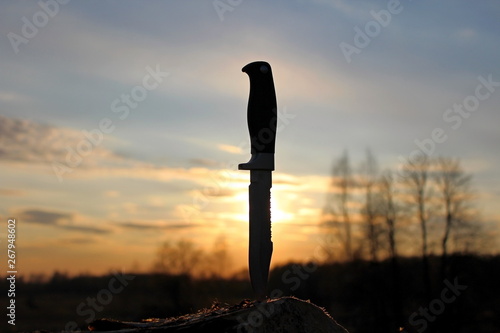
(362, 296)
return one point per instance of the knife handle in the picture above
(262, 110)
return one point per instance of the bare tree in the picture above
(388, 209)
(337, 212)
(470, 237)
(219, 260)
(181, 258)
(454, 188)
(368, 181)
(453, 185)
(415, 177)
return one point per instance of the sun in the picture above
(279, 215)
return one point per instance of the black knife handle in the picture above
(262, 110)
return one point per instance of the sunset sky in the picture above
(122, 122)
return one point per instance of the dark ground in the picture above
(361, 296)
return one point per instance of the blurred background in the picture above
(122, 124)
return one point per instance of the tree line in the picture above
(425, 208)
(184, 257)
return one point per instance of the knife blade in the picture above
(262, 120)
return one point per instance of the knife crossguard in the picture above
(262, 120)
(259, 161)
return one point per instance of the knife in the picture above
(262, 120)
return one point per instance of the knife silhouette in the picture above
(262, 120)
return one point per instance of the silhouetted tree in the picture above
(180, 258)
(389, 210)
(219, 261)
(415, 177)
(453, 185)
(185, 258)
(368, 182)
(337, 212)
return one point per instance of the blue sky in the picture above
(167, 169)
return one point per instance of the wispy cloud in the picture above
(27, 141)
(155, 226)
(30, 142)
(85, 229)
(12, 192)
(78, 241)
(230, 149)
(205, 162)
(45, 217)
(218, 192)
(57, 219)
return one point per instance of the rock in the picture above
(288, 314)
